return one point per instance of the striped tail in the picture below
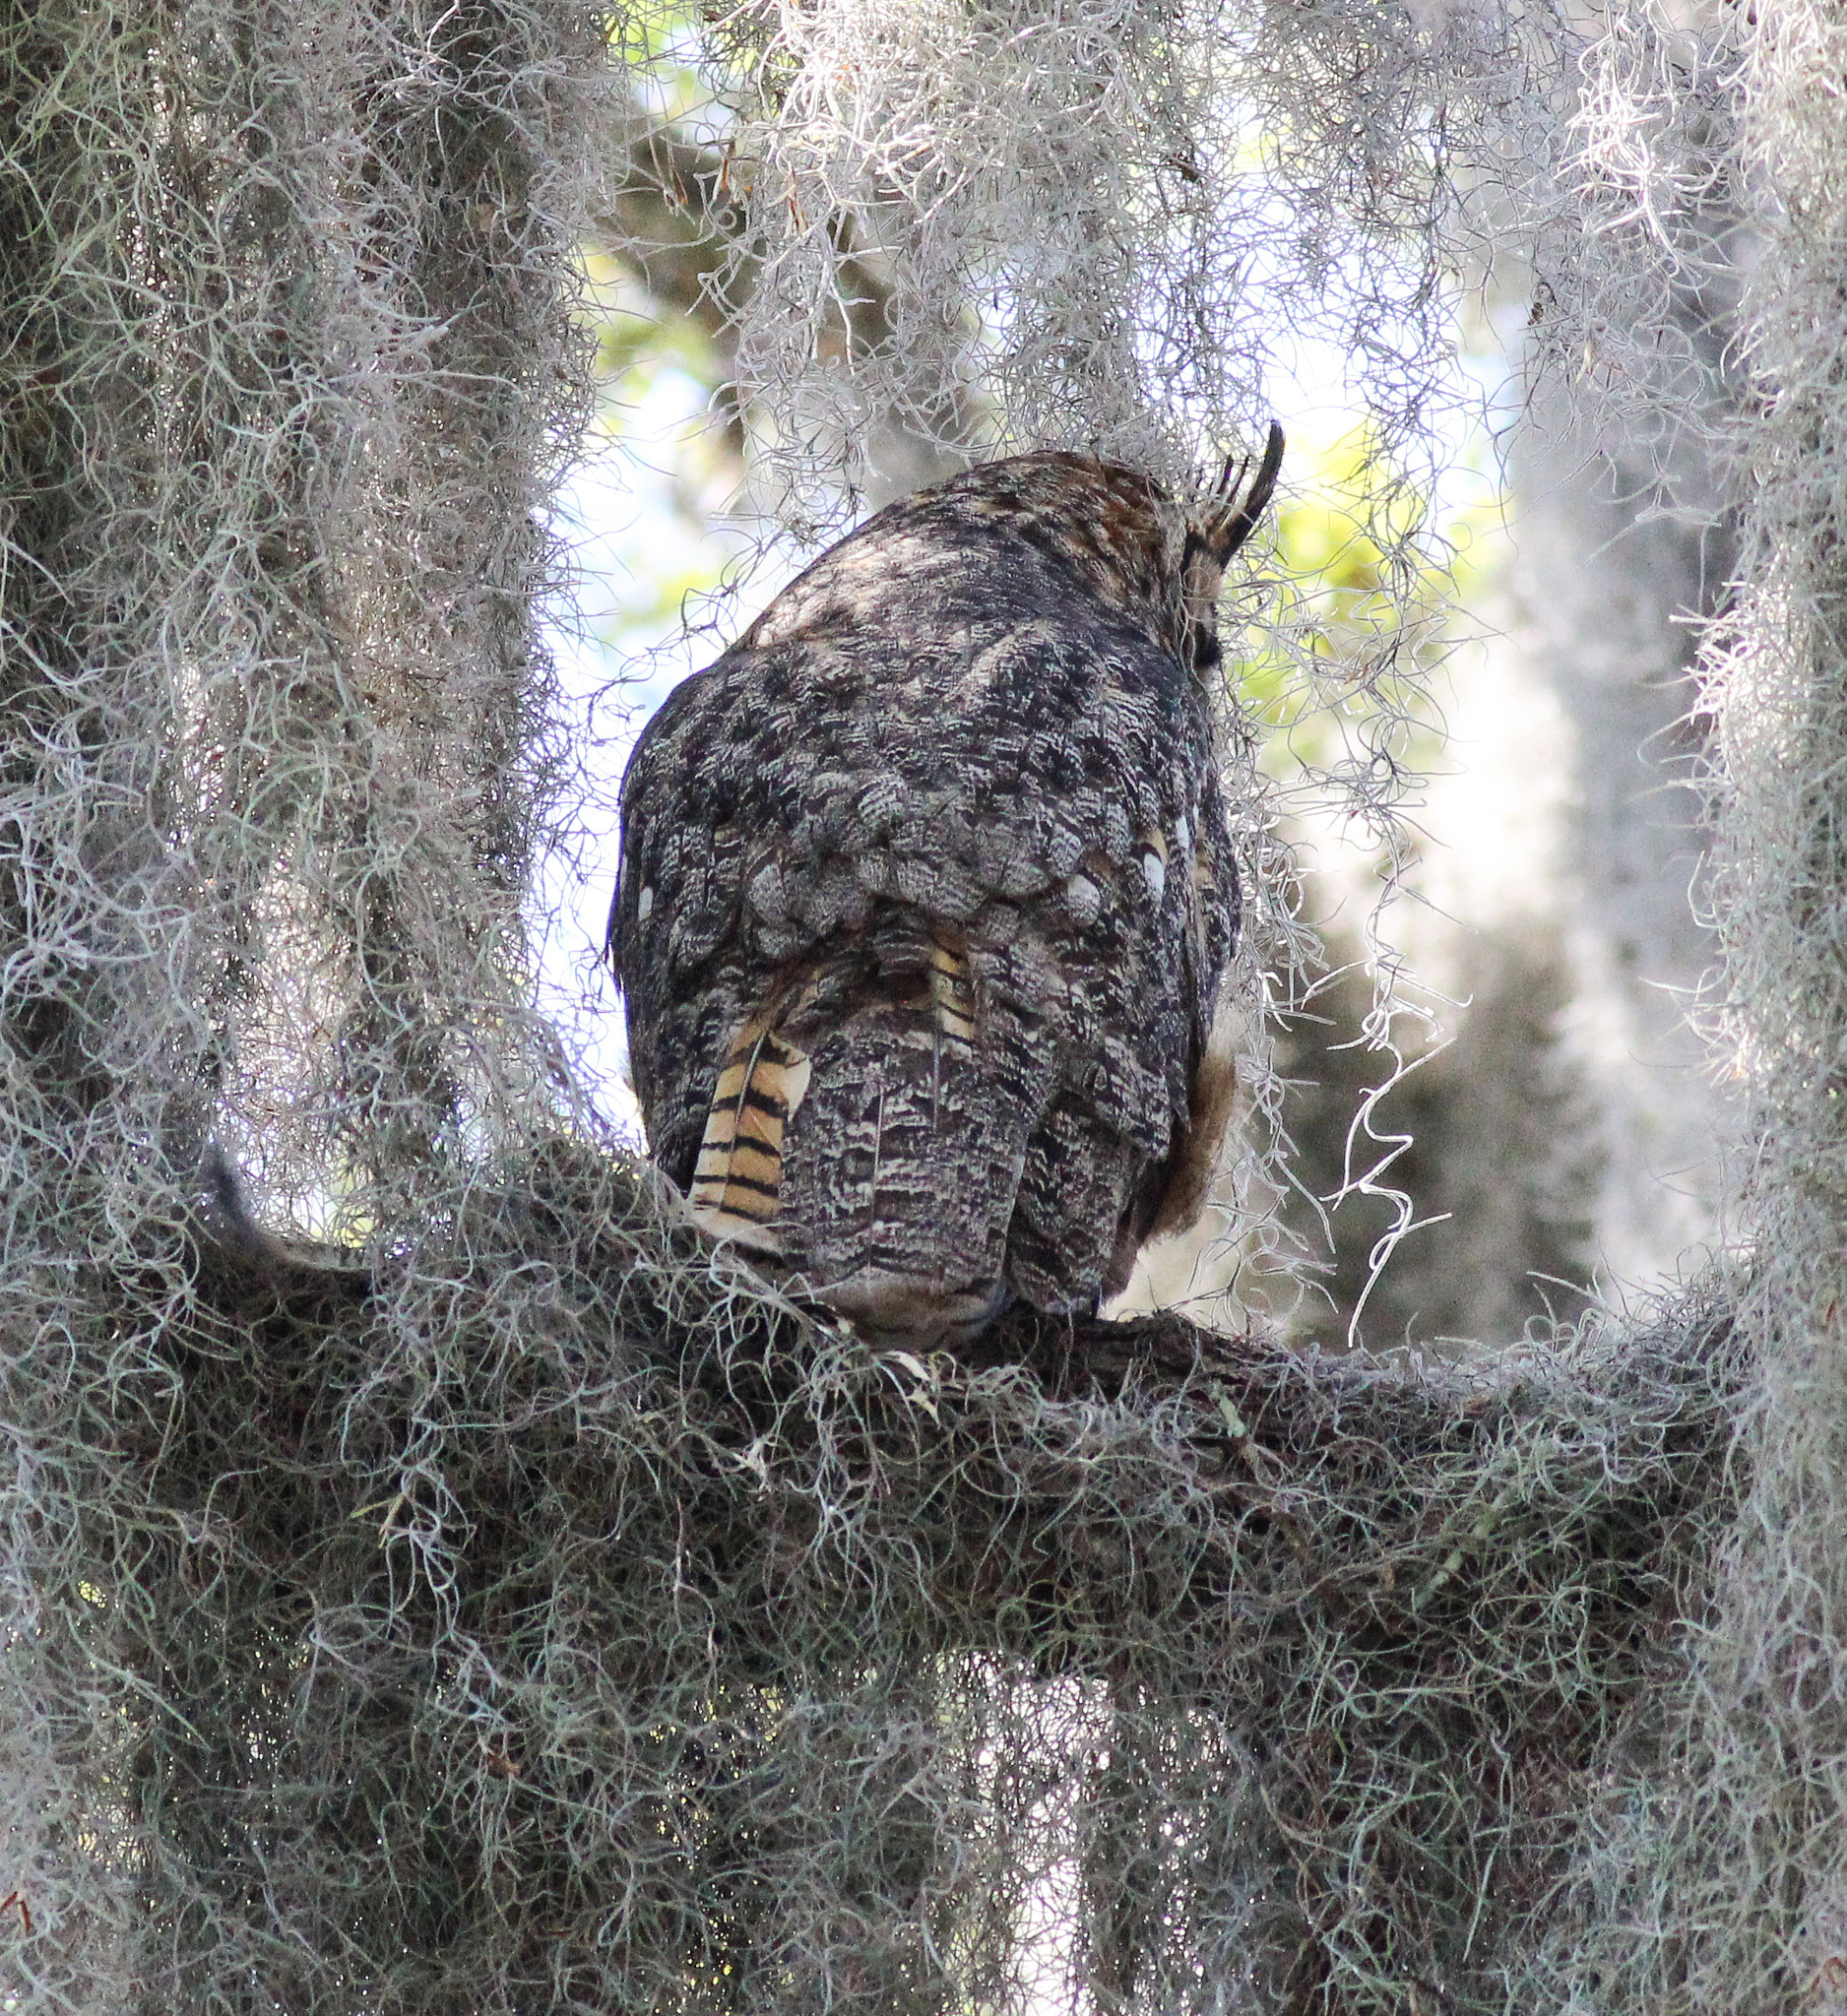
(736, 1186)
(888, 1199)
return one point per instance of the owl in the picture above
(927, 900)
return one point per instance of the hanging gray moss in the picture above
(290, 362)
(508, 1609)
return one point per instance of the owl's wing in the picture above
(1128, 1146)
(1212, 895)
(689, 971)
(921, 969)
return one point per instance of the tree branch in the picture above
(1415, 1612)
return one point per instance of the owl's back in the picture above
(925, 905)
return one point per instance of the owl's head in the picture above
(1153, 556)
(1134, 546)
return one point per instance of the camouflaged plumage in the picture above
(927, 900)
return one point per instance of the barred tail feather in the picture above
(736, 1186)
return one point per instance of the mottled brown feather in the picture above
(921, 1000)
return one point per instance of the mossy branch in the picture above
(1400, 1618)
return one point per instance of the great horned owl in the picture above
(927, 900)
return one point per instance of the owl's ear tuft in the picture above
(1232, 514)
(1216, 531)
